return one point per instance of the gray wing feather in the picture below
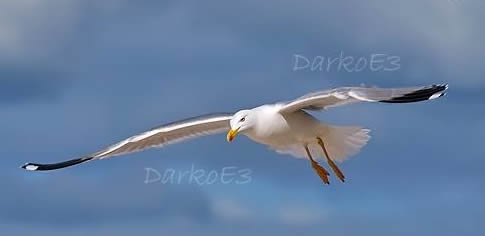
(346, 95)
(169, 134)
(156, 137)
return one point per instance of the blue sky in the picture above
(76, 76)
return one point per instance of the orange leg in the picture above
(332, 164)
(319, 169)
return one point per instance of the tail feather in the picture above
(341, 142)
(344, 141)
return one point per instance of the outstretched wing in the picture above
(160, 136)
(346, 95)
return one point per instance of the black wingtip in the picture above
(426, 93)
(44, 167)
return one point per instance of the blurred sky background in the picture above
(76, 76)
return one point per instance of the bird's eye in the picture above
(242, 119)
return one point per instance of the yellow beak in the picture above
(231, 134)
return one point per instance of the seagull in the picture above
(285, 127)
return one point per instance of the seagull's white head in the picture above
(241, 121)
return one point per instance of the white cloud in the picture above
(302, 215)
(229, 209)
(30, 28)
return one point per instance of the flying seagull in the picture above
(285, 127)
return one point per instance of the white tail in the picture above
(342, 142)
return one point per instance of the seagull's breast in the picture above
(274, 128)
